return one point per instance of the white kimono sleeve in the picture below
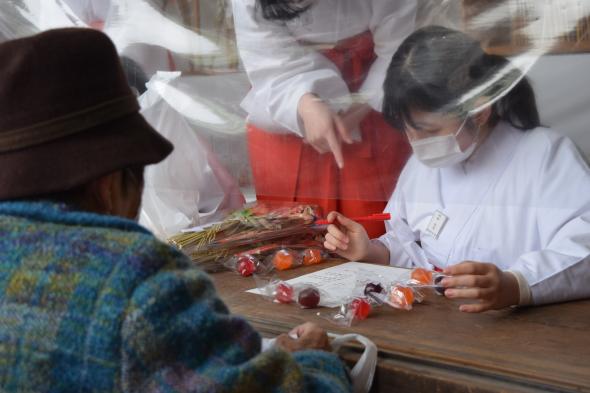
(399, 238)
(560, 271)
(280, 71)
(391, 23)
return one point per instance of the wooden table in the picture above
(437, 348)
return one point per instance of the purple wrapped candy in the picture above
(373, 288)
(439, 288)
(309, 297)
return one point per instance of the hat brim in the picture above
(74, 160)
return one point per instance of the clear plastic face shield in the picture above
(304, 103)
(284, 100)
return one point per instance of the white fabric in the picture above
(524, 289)
(90, 10)
(190, 187)
(522, 202)
(281, 69)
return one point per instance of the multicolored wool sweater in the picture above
(92, 303)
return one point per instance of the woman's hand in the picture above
(309, 336)
(489, 286)
(349, 239)
(324, 129)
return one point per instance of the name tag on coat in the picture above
(437, 224)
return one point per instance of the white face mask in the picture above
(442, 151)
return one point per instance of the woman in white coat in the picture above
(315, 129)
(499, 203)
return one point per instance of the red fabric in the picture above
(286, 169)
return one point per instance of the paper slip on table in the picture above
(437, 348)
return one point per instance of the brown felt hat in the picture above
(67, 114)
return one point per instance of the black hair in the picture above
(437, 69)
(283, 10)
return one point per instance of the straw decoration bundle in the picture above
(250, 227)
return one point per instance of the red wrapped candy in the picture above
(361, 308)
(246, 265)
(284, 293)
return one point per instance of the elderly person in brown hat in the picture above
(89, 300)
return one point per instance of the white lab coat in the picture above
(282, 69)
(522, 202)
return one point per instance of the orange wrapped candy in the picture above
(402, 297)
(421, 275)
(283, 260)
(312, 256)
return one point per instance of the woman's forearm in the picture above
(377, 253)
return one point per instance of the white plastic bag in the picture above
(363, 372)
(190, 187)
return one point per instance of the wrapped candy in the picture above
(284, 293)
(437, 287)
(312, 256)
(422, 278)
(288, 258)
(309, 297)
(361, 308)
(357, 309)
(246, 265)
(306, 295)
(262, 260)
(284, 259)
(399, 295)
(373, 288)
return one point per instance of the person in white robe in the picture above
(499, 203)
(283, 63)
(314, 111)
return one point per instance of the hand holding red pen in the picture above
(346, 237)
(349, 239)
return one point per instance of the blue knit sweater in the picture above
(93, 303)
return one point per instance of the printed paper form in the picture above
(337, 283)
